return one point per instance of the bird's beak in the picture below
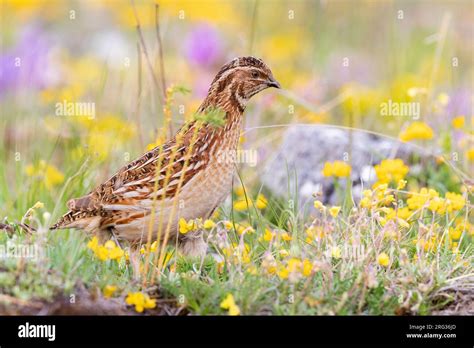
(273, 83)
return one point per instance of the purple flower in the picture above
(460, 103)
(26, 65)
(203, 46)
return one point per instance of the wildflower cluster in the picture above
(338, 169)
(140, 300)
(390, 171)
(194, 225)
(431, 200)
(229, 304)
(295, 268)
(46, 173)
(243, 203)
(417, 131)
(107, 251)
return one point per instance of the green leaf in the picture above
(214, 117)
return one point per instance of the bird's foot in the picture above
(193, 245)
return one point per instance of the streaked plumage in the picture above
(189, 170)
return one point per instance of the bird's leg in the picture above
(193, 244)
(114, 236)
(135, 262)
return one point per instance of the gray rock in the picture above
(305, 149)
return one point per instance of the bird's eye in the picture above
(254, 74)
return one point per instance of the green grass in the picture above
(339, 286)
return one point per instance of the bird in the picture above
(185, 178)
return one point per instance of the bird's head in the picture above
(239, 80)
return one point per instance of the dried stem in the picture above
(160, 50)
(161, 60)
(139, 97)
(145, 52)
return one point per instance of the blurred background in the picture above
(337, 61)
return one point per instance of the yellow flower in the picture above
(379, 196)
(334, 211)
(241, 205)
(252, 269)
(327, 169)
(268, 235)
(93, 244)
(109, 290)
(185, 227)
(418, 200)
(319, 205)
(102, 253)
(274, 46)
(283, 273)
(38, 205)
(286, 237)
(116, 253)
(455, 233)
(228, 225)
(109, 244)
(430, 198)
(294, 264)
(401, 184)
(391, 170)
(417, 131)
(359, 99)
(427, 244)
(464, 225)
(336, 252)
(241, 228)
(313, 232)
(383, 259)
(337, 168)
(403, 223)
(158, 142)
(107, 251)
(105, 133)
(100, 144)
(140, 301)
(470, 155)
(458, 122)
(229, 304)
(240, 191)
(209, 224)
(401, 215)
(234, 310)
(153, 247)
(367, 201)
(261, 202)
(454, 201)
(307, 268)
(437, 205)
(50, 175)
(404, 213)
